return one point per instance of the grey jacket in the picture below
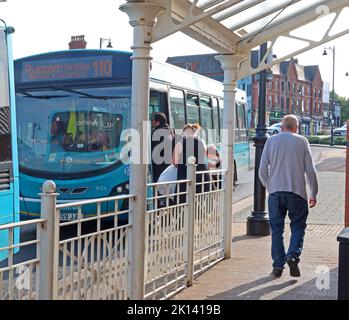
(287, 164)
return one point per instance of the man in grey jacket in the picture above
(285, 167)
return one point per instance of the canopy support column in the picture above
(230, 64)
(142, 19)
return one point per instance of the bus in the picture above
(73, 106)
(9, 188)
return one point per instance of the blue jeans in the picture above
(279, 204)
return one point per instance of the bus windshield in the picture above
(71, 132)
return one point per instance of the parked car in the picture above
(342, 131)
(275, 128)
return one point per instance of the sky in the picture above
(47, 25)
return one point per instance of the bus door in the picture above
(8, 187)
(157, 103)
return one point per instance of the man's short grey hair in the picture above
(290, 122)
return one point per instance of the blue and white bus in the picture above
(72, 107)
(9, 188)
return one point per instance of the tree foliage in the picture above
(344, 103)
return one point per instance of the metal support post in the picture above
(230, 64)
(191, 172)
(142, 19)
(49, 238)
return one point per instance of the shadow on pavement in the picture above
(309, 290)
(246, 291)
(245, 237)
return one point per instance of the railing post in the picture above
(49, 237)
(191, 175)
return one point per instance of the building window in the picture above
(283, 86)
(276, 101)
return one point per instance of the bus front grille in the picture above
(4, 180)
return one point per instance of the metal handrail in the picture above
(21, 224)
(212, 171)
(154, 184)
(96, 200)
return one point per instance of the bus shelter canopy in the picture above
(238, 26)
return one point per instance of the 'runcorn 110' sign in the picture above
(67, 69)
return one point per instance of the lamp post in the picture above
(333, 49)
(258, 221)
(101, 40)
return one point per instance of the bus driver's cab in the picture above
(9, 190)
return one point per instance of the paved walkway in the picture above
(247, 274)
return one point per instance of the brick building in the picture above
(295, 89)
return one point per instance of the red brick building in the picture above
(296, 89)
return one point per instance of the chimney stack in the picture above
(77, 42)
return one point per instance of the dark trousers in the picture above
(279, 204)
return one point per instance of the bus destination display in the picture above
(67, 69)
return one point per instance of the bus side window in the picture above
(193, 109)
(206, 120)
(237, 124)
(241, 116)
(216, 126)
(177, 113)
(154, 104)
(221, 109)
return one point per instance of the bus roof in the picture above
(160, 71)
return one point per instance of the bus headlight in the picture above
(119, 189)
(122, 188)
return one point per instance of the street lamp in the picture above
(101, 40)
(333, 49)
(258, 221)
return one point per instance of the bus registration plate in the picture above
(68, 216)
